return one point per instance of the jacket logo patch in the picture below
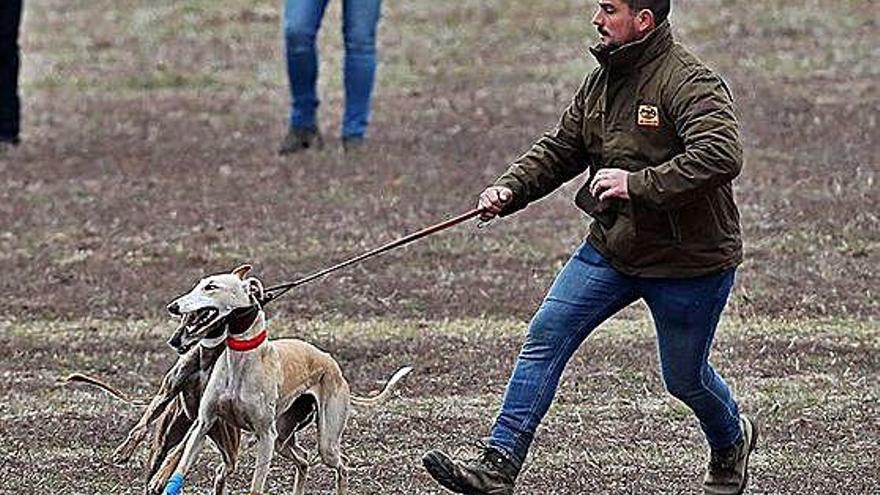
(649, 116)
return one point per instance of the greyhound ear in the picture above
(242, 271)
(255, 287)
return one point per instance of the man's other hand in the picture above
(492, 200)
(609, 183)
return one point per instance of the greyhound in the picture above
(175, 405)
(254, 386)
(172, 409)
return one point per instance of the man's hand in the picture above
(609, 183)
(492, 200)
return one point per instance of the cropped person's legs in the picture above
(360, 19)
(302, 19)
(10, 106)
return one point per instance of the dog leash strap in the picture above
(282, 288)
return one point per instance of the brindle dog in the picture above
(175, 405)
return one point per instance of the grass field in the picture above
(148, 160)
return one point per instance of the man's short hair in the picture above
(660, 8)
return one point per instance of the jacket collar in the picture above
(635, 54)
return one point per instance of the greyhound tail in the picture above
(80, 378)
(385, 393)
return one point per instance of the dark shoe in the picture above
(728, 471)
(7, 145)
(489, 474)
(299, 139)
(354, 144)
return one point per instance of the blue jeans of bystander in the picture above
(302, 19)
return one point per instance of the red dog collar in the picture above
(246, 345)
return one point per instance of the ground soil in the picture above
(149, 159)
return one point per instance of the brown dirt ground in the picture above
(149, 160)
(612, 429)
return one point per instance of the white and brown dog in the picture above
(255, 384)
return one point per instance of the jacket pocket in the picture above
(621, 237)
(603, 212)
(698, 222)
(653, 226)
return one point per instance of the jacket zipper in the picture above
(672, 217)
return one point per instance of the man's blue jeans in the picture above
(588, 291)
(302, 19)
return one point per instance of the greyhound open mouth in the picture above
(195, 321)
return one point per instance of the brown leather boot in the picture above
(489, 474)
(728, 471)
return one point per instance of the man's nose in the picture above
(597, 18)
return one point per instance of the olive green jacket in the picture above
(653, 109)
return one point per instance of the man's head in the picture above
(623, 21)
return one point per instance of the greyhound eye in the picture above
(210, 287)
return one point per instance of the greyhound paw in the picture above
(157, 485)
(126, 449)
(123, 453)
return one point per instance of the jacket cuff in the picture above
(518, 201)
(637, 188)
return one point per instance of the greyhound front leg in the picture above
(194, 442)
(226, 438)
(172, 384)
(136, 435)
(265, 448)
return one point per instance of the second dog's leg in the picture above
(226, 437)
(300, 459)
(172, 383)
(157, 481)
(171, 429)
(136, 435)
(195, 440)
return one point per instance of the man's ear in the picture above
(242, 271)
(645, 21)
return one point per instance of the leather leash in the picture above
(274, 292)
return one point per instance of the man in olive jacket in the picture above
(657, 132)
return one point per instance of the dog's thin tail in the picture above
(80, 378)
(385, 393)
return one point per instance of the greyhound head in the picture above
(207, 307)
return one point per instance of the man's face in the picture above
(616, 23)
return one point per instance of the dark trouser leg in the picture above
(302, 19)
(10, 106)
(359, 21)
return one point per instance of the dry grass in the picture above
(612, 429)
(150, 131)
